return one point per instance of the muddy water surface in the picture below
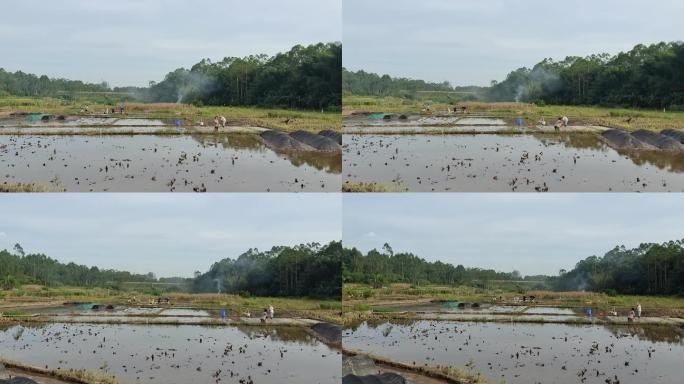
(176, 354)
(140, 163)
(530, 353)
(575, 162)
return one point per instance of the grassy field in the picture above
(358, 297)
(287, 120)
(27, 296)
(630, 119)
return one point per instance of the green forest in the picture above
(385, 267)
(361, 83)
(307, 270)
(304, 77)
(311, 270)
(301, 78)
(20, 268)
(647, 76)
(654, 269)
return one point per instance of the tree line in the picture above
(654, 269)
(303, 77)
(311, 270)
(386, 267)
(30, 85)
(647, 76)
(362, 83)
(19, 268)
(307, 270)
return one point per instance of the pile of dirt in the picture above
(279, 141)
(620, 139)
(336, 136)
(673, 133)
(320, 142)
(383, 378)
(331, 333)
(657, 140)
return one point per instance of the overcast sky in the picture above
(130, 42)
(470, 42)
(534, 234)
(170, 235)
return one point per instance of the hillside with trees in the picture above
(307, 270)
(647, 76)
(304, 77)
(649, 269)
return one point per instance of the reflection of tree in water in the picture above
(653, 333)
(287, 334)
(322, 161)
(573, 140)
(667, 160)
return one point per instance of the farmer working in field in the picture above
(638, 310)
(558, 124)
(565, 121)
(223, 121)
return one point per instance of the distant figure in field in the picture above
(638, 310)
(223, 120)
(270, 311)
(630, 317)
(216, 123)
(122, 108)
(559, 123)
(264, 315)
(565, 121)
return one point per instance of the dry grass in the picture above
(283, 119)
(371, 187)
(28, 187)
(624, 118)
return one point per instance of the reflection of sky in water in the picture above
(488, 162)
(529, 353)
(163, 163)
(181, 353)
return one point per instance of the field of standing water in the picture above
(577, 162)
(162, 163)
(176, 354)
(530, 353)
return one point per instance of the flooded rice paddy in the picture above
(530, 353)
(577, 162)
(160, 163)
(176, 354)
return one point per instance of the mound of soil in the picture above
(321, 143)
(383, 378)
(336, 136)
(673, 133)
(660, 141)
(279, 141)
(620, 139)
(330, 332)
